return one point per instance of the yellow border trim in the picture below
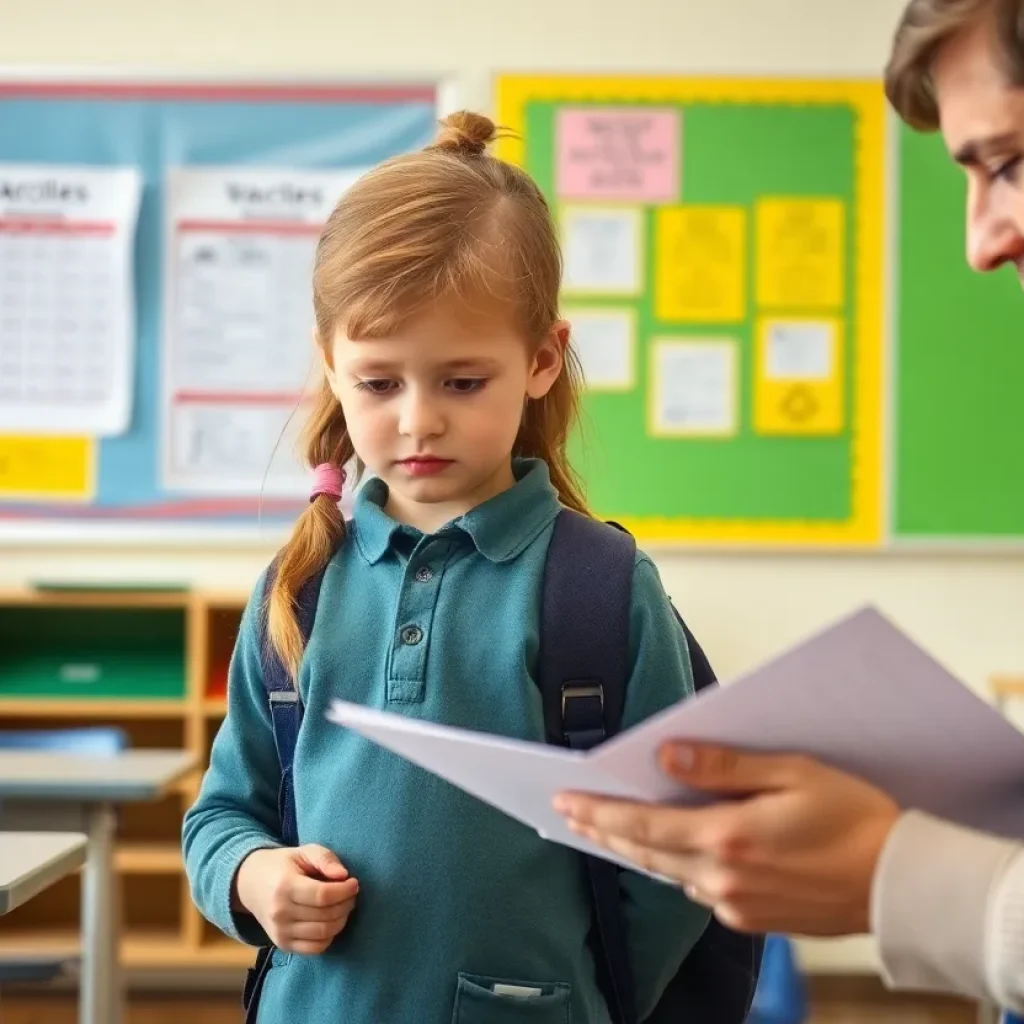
(866, 98)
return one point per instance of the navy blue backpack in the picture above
(582, 675)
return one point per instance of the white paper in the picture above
(602, 249)
(800, 350)
(695, 387)
(860, 696)
(67, 298)
(604, 340)
(239, 358)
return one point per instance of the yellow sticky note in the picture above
(798, 378)
(800, 253)
(47, 468)
(700, 264)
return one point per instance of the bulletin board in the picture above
(80, 487)
(734, 353)
(959, 418)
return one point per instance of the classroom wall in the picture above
(968, 609)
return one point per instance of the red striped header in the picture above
(221, 92)
(251, 227)
(29, 226)
(239, 398)
(164, 510)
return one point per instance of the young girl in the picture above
(449, 376)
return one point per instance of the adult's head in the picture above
(957, 66)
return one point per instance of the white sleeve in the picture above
(948, 911)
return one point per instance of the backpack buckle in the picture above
(284, 696)
(576, 691)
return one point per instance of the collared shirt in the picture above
(454, 896)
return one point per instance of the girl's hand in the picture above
(302, 896)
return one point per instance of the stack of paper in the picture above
(861, 696)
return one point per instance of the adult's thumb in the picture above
(318, 861)
(725, 770)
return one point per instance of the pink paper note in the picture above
(614, 153)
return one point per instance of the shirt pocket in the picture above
(477, 1002)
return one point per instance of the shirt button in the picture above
(411, 635)
(424, 574)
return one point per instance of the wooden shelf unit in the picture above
(85, 657)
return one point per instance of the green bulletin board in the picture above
(734, 380)
(959, 418)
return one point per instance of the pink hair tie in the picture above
(327, 479)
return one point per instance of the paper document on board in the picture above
(239, 361)
(67, 298)
(860, 695)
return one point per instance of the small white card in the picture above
(603, 250)
(605, 341)
(517, 991)
(694, 387)
(800, 350)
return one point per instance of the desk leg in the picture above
(989, 1014)
(100, 996)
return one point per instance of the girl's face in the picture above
(434, 409)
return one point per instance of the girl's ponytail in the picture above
(316, 535)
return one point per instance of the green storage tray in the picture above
(102, 653)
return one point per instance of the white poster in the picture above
(694, 387)
(604, 340)
(67, 303)
(602, 248)
(239, 359)
(800, 350)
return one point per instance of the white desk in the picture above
(37, 789)
(32, 861)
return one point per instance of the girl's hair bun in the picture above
(466, 134)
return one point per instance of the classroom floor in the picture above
(834, 1001)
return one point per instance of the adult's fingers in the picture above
(725, 770)
(679, 868)
(654, 826)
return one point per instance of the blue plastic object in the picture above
(103, 741)
(781, 996)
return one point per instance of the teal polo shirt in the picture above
(455, 897)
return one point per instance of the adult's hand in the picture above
(792, 848)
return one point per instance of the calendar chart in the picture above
(67, 312)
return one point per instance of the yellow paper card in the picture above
(47, 468)
(700, 264)
(798, 380)
(800, 253)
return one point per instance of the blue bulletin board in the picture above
(83, 488)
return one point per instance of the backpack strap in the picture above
(584, 656)
(286, 719)
(283, 695)
(582, 672)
